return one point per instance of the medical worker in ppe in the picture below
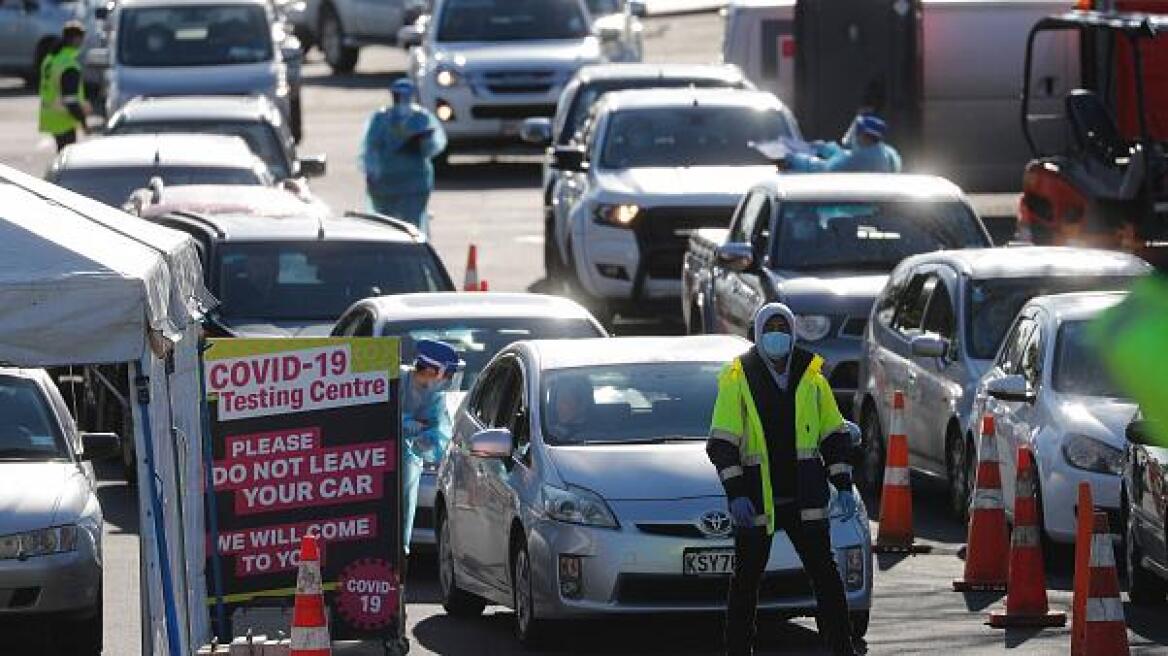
(866, 152)
(400, 142)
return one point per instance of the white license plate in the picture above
(707, 562)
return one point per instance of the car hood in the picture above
(640, 471)
(1102, 418)
(263, 328)
(563, 54)
(843, 292)
(234, 79)
(37, 495)
(717, 184)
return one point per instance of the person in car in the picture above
(572, 401)
(776, 439)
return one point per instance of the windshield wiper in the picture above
(665, 439)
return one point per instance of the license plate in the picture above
(707, 562)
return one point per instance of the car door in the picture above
(380, 19)
(937, 391)
(1009, 362)
(572, 186)
(751, 292)
(902, 368)
(1020, 420)
(728, 305)
(1149, 501)
(878, 373)
(494, 476)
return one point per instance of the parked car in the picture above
(934, 332)
(1145, 512)
(29, 30)
(822, 244)
(1049, 391)
(278, 202)
(51, 527)
(482, 66)
(655, 165)
(342, 27)
(618, 22)
(111, 168)
(560, 518)
(573, 109)
(478, 326)
(255, 119)
(196, 47)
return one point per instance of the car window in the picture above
(939, 315)
(893, 292)
(749, 211)
(194, 35)
(511, 20)
(912, 307)
(28, 428)
(1010, 356)
(507, 397)
(487, 397)
(261, 138)
(357, 324)
(114, 185)
(1078, 367)
(1031, 361)
(702, 135)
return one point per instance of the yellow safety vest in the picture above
(54, 117)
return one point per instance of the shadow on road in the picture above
(487, 173)
(380, 80)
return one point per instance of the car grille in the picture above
(665, 590)
(663, 235)
(853, 327)
(512, 111)
(672, 530)
(16, 598)
(530, 81)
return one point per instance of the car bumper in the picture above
(615, 252)
(1060, 490)
(627, 571)
(483, 119)
(60, 583)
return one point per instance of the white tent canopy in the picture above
(82, 283)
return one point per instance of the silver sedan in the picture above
(578, 485)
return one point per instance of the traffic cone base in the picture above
(896, 512)
(987, 546)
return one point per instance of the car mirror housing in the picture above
(569, 158)
(492, 443)
(1012, 388)
(929, 346)
(737, 256)
(312, 166)
(536, 130)
(99, 446)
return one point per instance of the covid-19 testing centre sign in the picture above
(304, 439)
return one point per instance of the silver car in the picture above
(51, 526)
(577, 485)
(29, 30)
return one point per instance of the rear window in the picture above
(587, 96)
(261, 138)
(113, 186)
(28, 429)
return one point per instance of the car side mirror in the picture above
(410, 35)
(312, 166)
(638, 8)
(493, 443)
(98, 57)
(569, 158)
(929, 346)
(1012, 388)
(1142, 431)
(737, 256)
(99, 446)
(101, 12)
(536, 130)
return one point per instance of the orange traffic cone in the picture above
(986, 557)
(1026, 603)
(310, 634)
(1099, 626)
(896, 512)
(471, 281)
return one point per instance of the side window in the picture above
(364, 327)
(911, 310)
(520, 423)
(1030, 365)
(760, 233)
(509, 394)
(1010, 356)
(889, 300)
(939, 316)
(358, 323)
(748, 214)
(484, 401)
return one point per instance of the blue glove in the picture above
(846, 503)
(411, 428)
(742, 510)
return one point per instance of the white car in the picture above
(483, 66)
(656, 165)
(1048, 390)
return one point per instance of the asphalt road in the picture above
(495, 204)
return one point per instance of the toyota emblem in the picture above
(715, 524)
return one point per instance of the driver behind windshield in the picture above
(572, 402)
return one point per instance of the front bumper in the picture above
(1060, 489)
(632, 571)
(481, 118)
(60, 583)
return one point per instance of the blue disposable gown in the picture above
(394, 162)
(874, 158)
(420, 444)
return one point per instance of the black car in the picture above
(1145, 505)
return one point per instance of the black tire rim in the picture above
(959, 478)
(873, 453)
(522, 592)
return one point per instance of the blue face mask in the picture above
(775, 346)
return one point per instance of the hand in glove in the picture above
(412, 428)
(846, 502)
(742, 510)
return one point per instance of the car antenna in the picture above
(320, 227)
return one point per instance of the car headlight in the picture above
(43, 542)
(616, 215)
(1087, 453)
(577, 505)
(812, 327)
(447, 77)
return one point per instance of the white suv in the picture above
(483, 66)
(656, 165)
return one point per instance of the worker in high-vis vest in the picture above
(776, 439)
(62, 88)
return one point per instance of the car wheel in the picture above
(872, 471)
(962, 460)
(553, 264)
(1143, 586)
(456, 601)
(296, 121)
(529, 629)
(859, 621)
(341, 58)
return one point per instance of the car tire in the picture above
(1144, 587)
(456, 601)
(341, 59)
(553, 264)
(530, 630)
(962, 463)
(84, 638)
(860, 620)
(296, 120)
(872, 471)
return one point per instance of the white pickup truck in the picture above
(656, 165)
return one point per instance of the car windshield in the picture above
(260, 138)
(629, 403)
(992, 304)
(294, 281)
(588, 94)
(114, 185)
(478, 340)
(871, 236)
(691, 136)
(28, 430)
(1078, 369)
(512, 20)
(194, 35)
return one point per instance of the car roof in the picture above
(1036, 261)
(239, 200)
(637, 71)
(195, 108)
(112, 151)
(564, 354)
(862, 186)
(304, 227)
(453, 305)
(655, 98)
(1077, 306)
